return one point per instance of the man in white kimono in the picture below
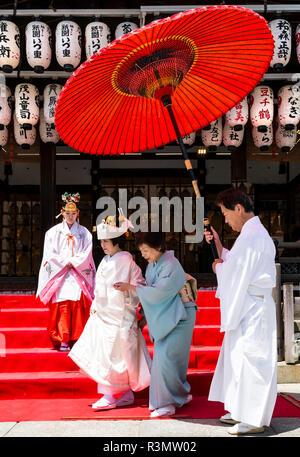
(67, 276)
(245, 378)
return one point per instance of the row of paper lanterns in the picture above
(231, 132)
(26, 138)
(222, 133)
(27, 114)
(68, 36)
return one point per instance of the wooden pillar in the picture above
(238, 165)
(288, 314)
(279, 318)
(47, 188)
(96, 190)
(96, 185)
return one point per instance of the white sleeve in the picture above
(234, 276)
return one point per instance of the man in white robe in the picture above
(67, 278)
(245, 378)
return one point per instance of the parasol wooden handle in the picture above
(167, 102)
(212, 242)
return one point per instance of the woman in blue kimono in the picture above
(170, 318)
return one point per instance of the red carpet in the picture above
(79, 409)
(31, 368)
(40, 383)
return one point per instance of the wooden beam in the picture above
(47, 188)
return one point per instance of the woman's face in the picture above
(150, 254)
(109, 248)
(70, 216)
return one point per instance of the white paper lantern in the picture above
(97, 36)
(51, 93)
(289, 106)
(262, 107)
(189, 140)
(9, 46)
(282, 34)
(47, 131)
(5, 105)
(38, 45)
(27, 105)
(68, 45)
(24, 138)
(285, 139)
(263, 140)
(237, 117)
(212, 136)
(4, 136)
(232, 138)
(298, 42)
(125, 27)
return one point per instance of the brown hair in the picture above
(232, 197)
(120, 240)
(155, 240)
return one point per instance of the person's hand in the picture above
(142, 322)
(209, 236)
(215, 263)
(122, 286)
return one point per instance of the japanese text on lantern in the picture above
(264, 113)
(24, 102)
(284, 36)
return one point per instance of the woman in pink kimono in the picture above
(112, 349)
(67, 276)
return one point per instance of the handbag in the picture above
(189, 291)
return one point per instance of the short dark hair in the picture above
(232, 197)
(155, 240)
(120, 240)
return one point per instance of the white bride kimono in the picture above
(112, 349)
(245, 378)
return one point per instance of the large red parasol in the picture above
(207, 59)
(164, 81)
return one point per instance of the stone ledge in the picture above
(288, 373)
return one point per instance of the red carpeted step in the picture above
(76, 384)
(36, 359)
(43, 372)
(208, 315)
(207, 335)
(26, 317)
(48, 359)
(204, 357)
(203, 335)
(201, 357)
(26, 337)
(19, 301)
(207, 298)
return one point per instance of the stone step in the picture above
(288, 373)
